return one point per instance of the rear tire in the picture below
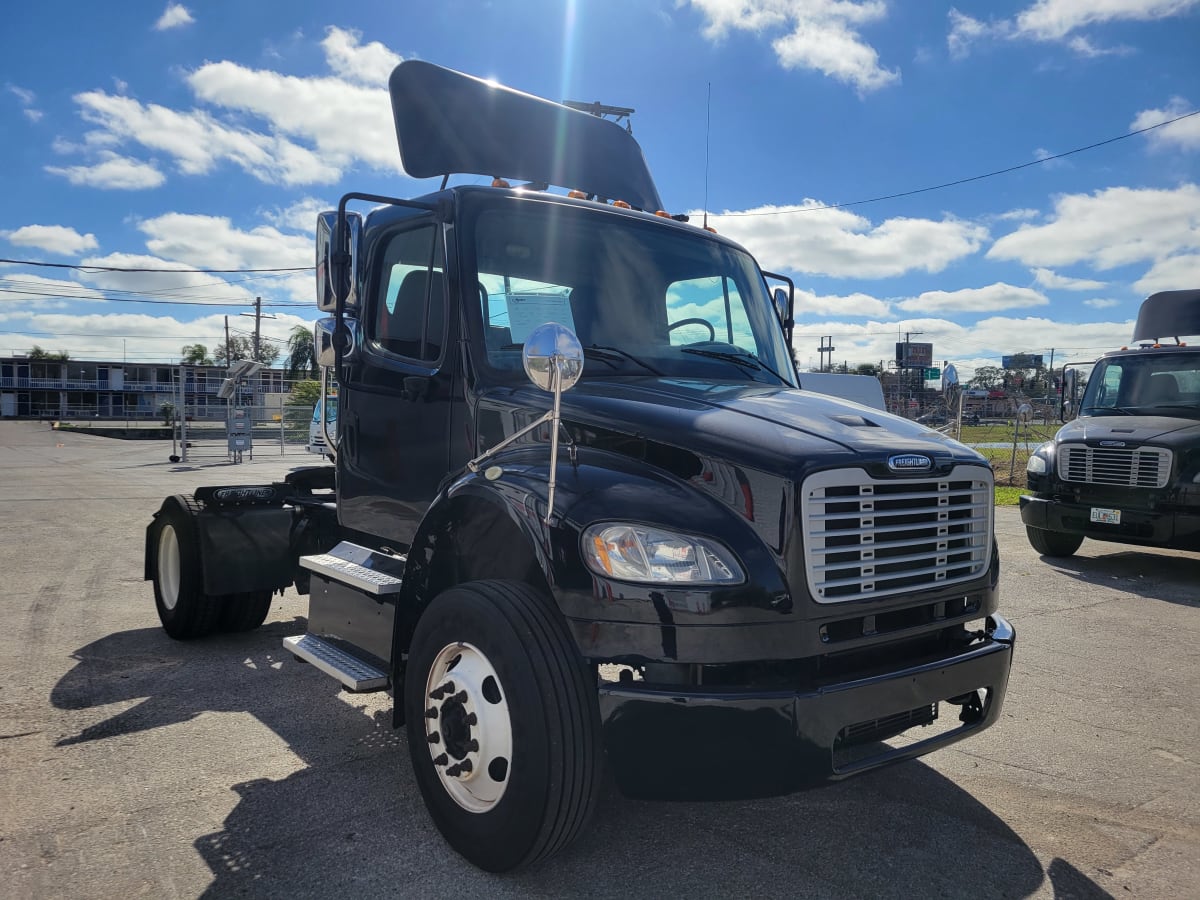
(1053, 543)
(244, 612)
(186, 612)
(503, 724)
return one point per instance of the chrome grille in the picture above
(1147, 467)
(869, 537)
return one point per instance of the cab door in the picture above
(398, 393)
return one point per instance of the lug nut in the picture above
(461, 696)
(472, 719)
(441, 760)
(465, 766)
(472, 745)
(431, 713)
(453, 771)
(434, 738)
(449, 686)
(437, 693)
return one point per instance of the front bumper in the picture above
(1167, 528)
(691, 744)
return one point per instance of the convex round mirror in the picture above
(553, 346)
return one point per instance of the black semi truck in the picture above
(1128, 468)
(581, 512)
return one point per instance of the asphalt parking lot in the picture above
(134, 765)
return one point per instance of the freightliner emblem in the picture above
(1112, 443)
(245, 493)
(909, 462)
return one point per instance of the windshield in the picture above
(644, 298)
(1153, 383)
(330, 406)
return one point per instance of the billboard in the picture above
(1023, 361)
(914, 356)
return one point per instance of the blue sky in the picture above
(207, 135)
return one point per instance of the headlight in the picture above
(646, 554)
(1039, 462)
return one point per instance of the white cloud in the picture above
(1183, 135)
(33, 115)
(1051, 20)
(1053, 281)
(174, 16)
(857, 304)
(113, 172)
(1058, 21)
(821, 35)
(369, 64)
(993, 298)
(1101, 303)
(840, 243)
(1109, 228)
(27, 99)
(197, 141)
(1174, 273)
(300, 216)
(52, 239)
(964, 31)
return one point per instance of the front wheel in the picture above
(1053, 543)
(503, 724)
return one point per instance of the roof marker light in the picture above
(663, 213)
(577, 195)
(621, 204)
(500, 182)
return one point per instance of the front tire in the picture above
(503, 724)
(1053, 543)
(186, 612)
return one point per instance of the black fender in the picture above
(599, 486)
(242, 548)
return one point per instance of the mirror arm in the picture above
(474, 464)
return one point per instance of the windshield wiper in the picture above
(742, 358)
(1106, 409)
(611, 354)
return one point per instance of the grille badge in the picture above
(909, 462)
(1112, 443)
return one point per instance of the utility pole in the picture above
(258, 317)
(826, 348)
(228, 347)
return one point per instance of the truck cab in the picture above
(1127, 468)
(581, 513)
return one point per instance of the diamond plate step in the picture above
(370, 581)
(352, 672)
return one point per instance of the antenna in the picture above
(707, 133)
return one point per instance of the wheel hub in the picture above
(468, 728)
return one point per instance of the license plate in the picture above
(1106, 516)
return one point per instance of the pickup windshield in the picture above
(644, 297)
(1146, 383)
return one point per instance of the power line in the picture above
(83, 268)
(938, 187)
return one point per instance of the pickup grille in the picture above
(866, 537)
(1145, 467)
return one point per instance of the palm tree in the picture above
(302, 357)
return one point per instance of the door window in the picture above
(410, 314)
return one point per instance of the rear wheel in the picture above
(184, 609)
(244, 612)
(503, 724)
(1053, 543)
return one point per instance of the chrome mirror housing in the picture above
(553, 350)
(332, 274)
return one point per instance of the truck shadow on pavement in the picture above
(351, 822)
(1155, 576)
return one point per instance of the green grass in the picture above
(1008, 496)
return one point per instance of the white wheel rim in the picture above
(168, 566)
(468, 727)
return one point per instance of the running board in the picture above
(364, 570)
(351, 671)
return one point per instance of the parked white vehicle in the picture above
(316, 433)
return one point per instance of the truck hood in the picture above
(1165, 431)
(763, 426)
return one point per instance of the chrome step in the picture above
(352, 672)
(366, 570)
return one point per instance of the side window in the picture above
(410, 312)
(708, 309)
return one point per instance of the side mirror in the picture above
(780, 297)
(1070, 387)
(337, 275)
(553, 357)
(328, 338)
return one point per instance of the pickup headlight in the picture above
(1039, 461)
(642, 553)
